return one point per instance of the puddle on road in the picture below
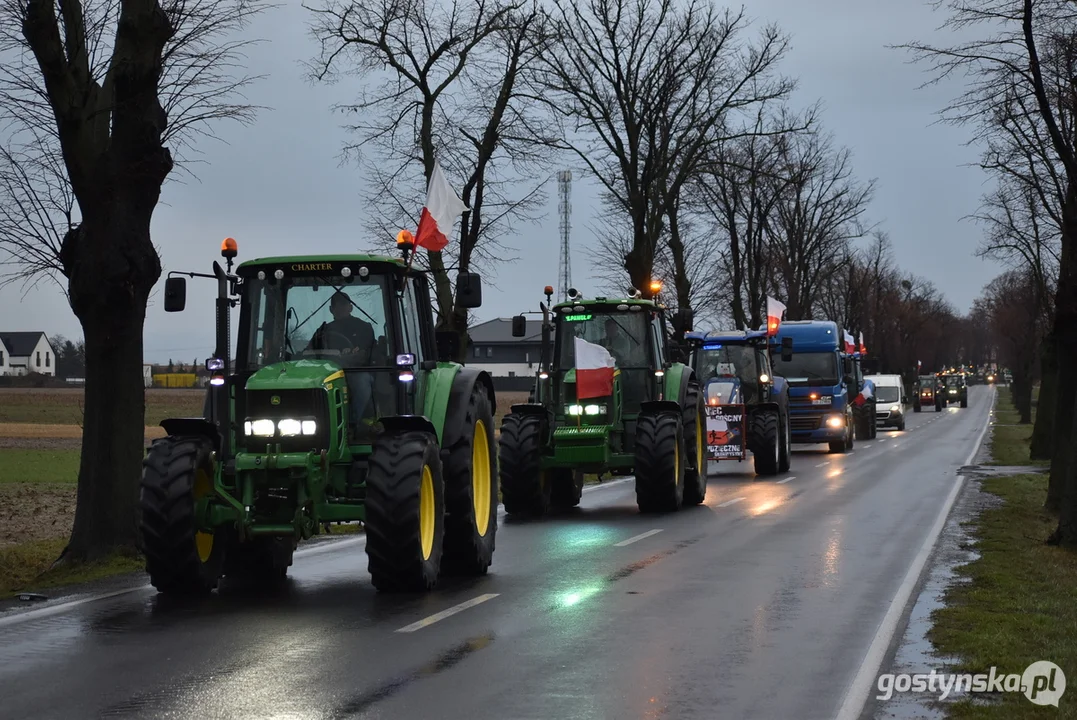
(915, 653)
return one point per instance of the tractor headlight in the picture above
(289, 427)
(953, 391)
(310, 427)
(594, 409)
(574, 410)
(261, 428)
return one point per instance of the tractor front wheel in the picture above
(523, 487)
(405, 512)
(471, 492)
(694, 422)
(766, 441)
(785, 453)
(180, 558)
(660, 462)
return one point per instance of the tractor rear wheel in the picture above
(180, 559)
(660, 461)
(916, 407)
(405, 512)
(471, 492)
(766, 441)
(566, 487)
(261, 560)
(785, 453)
(965, 401)
(694, 422)
(524, 490)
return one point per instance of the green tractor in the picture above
(337, 408)
(608, 399)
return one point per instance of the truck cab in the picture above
(822, 382)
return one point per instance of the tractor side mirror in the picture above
(469, 290)
(519, 326)
(787, 349)
(448, 345)
(175, 294)
(682, 320)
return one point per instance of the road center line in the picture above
(427, 621)
(727, 503)
(823, 464)
(637, 538)
(783, 482)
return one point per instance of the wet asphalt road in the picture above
(759, 604)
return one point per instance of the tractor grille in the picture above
(804, 423)
(297, 404)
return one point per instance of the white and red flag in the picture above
(442, 209)
(850, 343)
(866, 393)
(863, 347)
(594, 370)
(775, 311)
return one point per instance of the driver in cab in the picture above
(353, 337)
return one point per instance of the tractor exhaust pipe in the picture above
(221, 408)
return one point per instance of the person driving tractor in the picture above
(354, 338)
(619, 344)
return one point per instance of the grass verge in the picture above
(1010, 440)
(1016, 604)
(26, 567)
(19, 465)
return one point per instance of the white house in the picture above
(22, 353)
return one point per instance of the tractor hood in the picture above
(294, 375)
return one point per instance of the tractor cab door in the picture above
(416, 339)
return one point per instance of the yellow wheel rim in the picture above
(480, 478)
(677, 463)
(203, 541)
(426, 512)
(699, 444)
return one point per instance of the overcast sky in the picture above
(278, 186)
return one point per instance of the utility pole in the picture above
(564, 207)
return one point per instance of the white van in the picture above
(890, 401)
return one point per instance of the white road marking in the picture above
(436, 617)
(783, 482)
(856, 696)
(823, 464)
(727, 503)
(62, 607)
(637, 538)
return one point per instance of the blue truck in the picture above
(747, 403)
(824, 382)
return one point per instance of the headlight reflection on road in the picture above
(764, 507)
(575, 597)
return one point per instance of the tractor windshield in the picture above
(809, 368)
(729, 373)
(623, 334)
(316, 317)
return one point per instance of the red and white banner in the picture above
(594, 370)
(775, 311)
(850, 344)
(866, 394)
(442, 209)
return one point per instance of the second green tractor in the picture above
(608, 399)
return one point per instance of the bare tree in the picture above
(454, 90)
(93, 98)
(643, 88)
(1013, 59)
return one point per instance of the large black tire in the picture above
(263, 560)
(785, 453)
(180, 560)
(523, 489)
(405, 512)
(694, 423)
(873, 426)
(566, 487)
(916, 407)
(938, 406)
(965, 401)
(471, 492)
(765, 434)
(660, 461)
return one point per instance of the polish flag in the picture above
(594, 370)
(863, 347)
(775, 310)
(865, 394)
(850, 343)
(442, 209)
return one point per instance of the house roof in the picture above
(499, 330)
(20, 344)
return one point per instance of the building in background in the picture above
(512, 362)
(24, 353)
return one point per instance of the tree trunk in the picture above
(1021, 391)
(1063, 481)
(680, 268)
(109, 298)
(1040, 448)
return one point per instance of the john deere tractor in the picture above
(336, 408)
(607, 399)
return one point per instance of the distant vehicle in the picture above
(891, 401)
(924, 392)
(952, 387)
